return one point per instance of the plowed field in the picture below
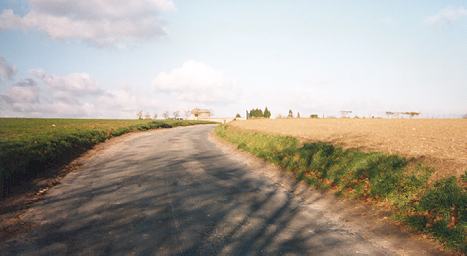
(441, 143)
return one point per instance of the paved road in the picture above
(173, 192)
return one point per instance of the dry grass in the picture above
(441, 143)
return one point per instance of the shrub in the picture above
(445, 195)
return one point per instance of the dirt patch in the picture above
(440, 143)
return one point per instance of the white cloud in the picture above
(25, 91)
(79, 95)
(7, 71)
(75, 83)
(196, 82)
(71, 95)
(447, 15)
(101, 22)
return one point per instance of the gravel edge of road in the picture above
(372, 223)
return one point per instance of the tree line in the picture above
(258, 113)
(166, 115)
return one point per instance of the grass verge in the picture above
(402, 184)
(28, 147)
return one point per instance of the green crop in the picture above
(29, 146)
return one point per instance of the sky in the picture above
(113, 58)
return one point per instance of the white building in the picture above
(198, 113)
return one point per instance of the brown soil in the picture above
(440, 143)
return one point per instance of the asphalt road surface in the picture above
(174, 192)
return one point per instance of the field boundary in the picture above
(440, 143)
(389, 181)
(22, 161)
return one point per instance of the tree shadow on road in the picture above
(195, 203)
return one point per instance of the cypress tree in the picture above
(267, 113)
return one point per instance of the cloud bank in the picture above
(100, 22)
(72, 95)
(44, 94)
(75, 83)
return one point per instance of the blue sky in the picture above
(109, 58)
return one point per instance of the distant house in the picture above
(198, 113)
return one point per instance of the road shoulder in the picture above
(373, 224)
(14, 207)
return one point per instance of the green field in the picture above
(30, 146)
(402, 184)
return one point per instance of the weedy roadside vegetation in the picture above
(28, 147)
(403, 184)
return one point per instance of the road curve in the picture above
(174, 192)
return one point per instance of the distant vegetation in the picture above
(258, 113)
(28, 147)
(411, 114)
(439, 209)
